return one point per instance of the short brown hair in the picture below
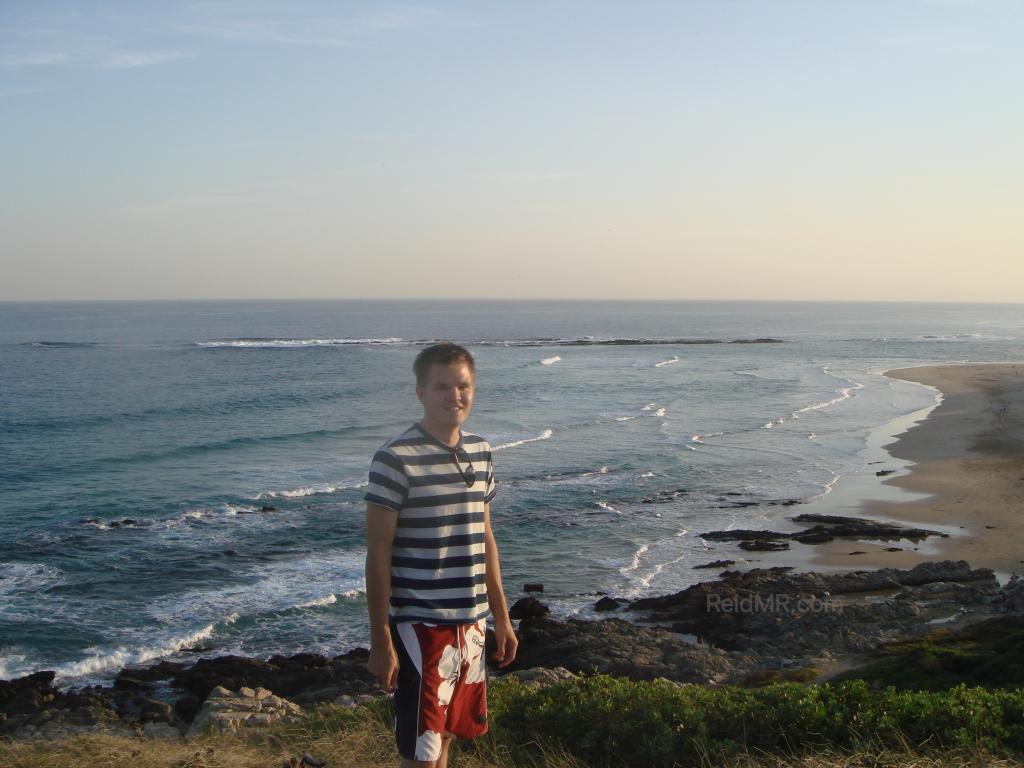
(445, 353)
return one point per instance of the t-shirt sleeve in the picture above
(389, 485)
(491, 486)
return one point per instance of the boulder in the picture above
(225, 710)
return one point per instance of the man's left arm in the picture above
(504, 635)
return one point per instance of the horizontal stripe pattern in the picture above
(438, 563)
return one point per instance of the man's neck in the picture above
(446, 435)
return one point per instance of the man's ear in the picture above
(419, 393)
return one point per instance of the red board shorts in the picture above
(442, 686)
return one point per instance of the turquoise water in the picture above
(234, 437)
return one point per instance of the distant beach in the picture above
(966, 477)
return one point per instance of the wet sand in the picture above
(965, 478)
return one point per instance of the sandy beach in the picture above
(965, 478)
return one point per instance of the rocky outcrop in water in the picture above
(826, 528)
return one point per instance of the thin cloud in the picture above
(323, 32)
(287, 33)
(15, 91)
(33, 59)
(141, 59)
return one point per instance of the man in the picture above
(432, 559)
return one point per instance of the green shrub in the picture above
(603, 720)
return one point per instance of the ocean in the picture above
(185, 479)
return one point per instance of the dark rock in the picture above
(606, 604)
(266, 508)
(533, 588)
(617, 647)
(187, 707)
(528, 607)
(130, 683)
(663, 497)
(884, 472)
(286, 676)
(813, 537)
(828, 527)
(764, 545)
(793, 614)
(716, 564)
(741, 534)
(856, 527)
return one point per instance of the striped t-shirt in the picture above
(437, 556)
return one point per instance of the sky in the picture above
(694, 149)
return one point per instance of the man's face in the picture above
(447, 394)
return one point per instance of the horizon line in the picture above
(464, 299)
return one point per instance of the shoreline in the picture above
(957, 468)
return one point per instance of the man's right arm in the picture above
(380, 533)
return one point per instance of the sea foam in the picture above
(547, 433)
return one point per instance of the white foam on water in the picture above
(213, 512)
(626, 418)
(648, 407)
(547, 433)
(747, 373)
(660, 413)
(309, 490)
(635, 562)
(103, 660)
(641, 582)
(844, 394)
(329, 600)
(550, 360)
(13, 665)
(667, 362)
(27, 578)
(286, 343)
(700, 438)
(268, 588)
(828, 486)
(608, 507)
(646, 474)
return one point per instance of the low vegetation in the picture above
(605, 721)
(988, 653)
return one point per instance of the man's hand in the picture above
(506, 641)
(383, 665)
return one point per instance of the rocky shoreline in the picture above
(744, 628)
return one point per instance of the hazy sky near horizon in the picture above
(698, 149)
